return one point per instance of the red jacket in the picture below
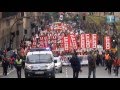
(12, 59)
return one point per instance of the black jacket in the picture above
(75, 63)
(5, 63)
(91, 62)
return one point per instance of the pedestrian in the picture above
(75, 64)
(109, 65)
(91, 64)
(98, 61)
(12, 59)
(5, 64)
(116, 66)
(18, 65)
(103, 58)
(23, 62)
(107, 57)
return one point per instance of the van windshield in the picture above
(39, 58)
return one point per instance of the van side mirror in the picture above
(55, 61)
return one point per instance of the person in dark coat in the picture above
(110, 62)
(5, 65)
(75, 64)
(91, 64)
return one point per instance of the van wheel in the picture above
(61, 70)
(53, 76)
(26, 75)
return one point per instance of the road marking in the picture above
(11, 71)
(8, 72)
(66, 73)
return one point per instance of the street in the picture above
(67, 73)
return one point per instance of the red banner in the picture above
(82, 41)
(45, 41)
(87, 38)
(73, 41)
(41, 41)
(66, 41)
(34, 43)
(94, 40)
(107, 43)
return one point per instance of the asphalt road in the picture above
(67, 73)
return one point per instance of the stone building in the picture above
(15, 24)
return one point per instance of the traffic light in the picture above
(25, 31)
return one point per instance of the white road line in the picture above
(66, 73)
(11, 71)
(8, 72)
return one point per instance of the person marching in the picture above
(116, 65)
(107, 57)
(92, 64)
(18, 65)
(75, 64)
(5, 64)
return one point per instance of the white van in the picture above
(39, 63)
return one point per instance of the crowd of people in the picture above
(13, 58)
(108, 59)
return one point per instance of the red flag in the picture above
(94, 40)
(73, 41)
(42, 42)
(34, 43)
(107, 43)
(82, 41)
(66, 41)
(45, 41)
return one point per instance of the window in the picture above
(39, 58)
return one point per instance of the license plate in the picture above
(39, 72)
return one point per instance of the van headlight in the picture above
(50, 67)
(29, 67)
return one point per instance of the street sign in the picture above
(110, 19)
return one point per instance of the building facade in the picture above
(14, 26)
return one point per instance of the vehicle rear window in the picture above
(39, 58)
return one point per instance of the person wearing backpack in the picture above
(91, 64)
(75, 64)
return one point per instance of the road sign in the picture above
(110, 19)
